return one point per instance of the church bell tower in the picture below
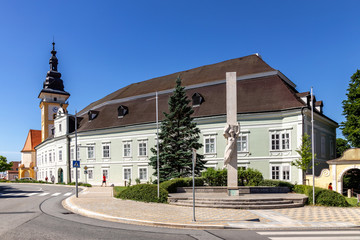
(52, 97)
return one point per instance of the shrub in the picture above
(249, 177)
(214, 177)
(172, 185)
(276, 183)
(323, 197)
(144, 193)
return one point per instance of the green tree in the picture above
(351, 126)
(178, 136)
(4, 165)
(303, 162)
(341, 146)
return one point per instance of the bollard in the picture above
(349, 193)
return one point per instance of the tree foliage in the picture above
(178, 136)
(4, 165)
(341, 146)
(351, 126)
(303, 162)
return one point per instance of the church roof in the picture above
(260, 89)
(33, 139)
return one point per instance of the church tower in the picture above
(52, 97)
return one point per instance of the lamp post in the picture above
(312, 143)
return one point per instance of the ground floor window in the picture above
(280, 172)
(275, 172)
(91, 174)
(143, 173)
(127, 173)
(106, 173)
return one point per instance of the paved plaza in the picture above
(98, 202)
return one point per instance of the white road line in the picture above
(68, 194)
(56, 194)
(43, 194)
(309, 233)
(18, 194)
(31, 194)
(317, 238)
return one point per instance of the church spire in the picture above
(53, 60)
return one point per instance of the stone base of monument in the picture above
(249, 198)
(233, 191)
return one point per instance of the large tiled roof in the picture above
(265, 89)
(32, 140)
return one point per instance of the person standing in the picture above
(330, 186)
(104, 180)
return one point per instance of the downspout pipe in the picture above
(68, 164)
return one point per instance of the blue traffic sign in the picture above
(76, 164)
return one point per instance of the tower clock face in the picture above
(55, 109)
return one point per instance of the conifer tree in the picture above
(351, 126)
(178, 136)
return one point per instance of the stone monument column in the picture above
(231, 133)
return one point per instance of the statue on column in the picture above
(231, 132)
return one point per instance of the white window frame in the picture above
(281, 174)
(125, 143)
(139, 173)
(45, 157)
(60, 155)
(141, 149)
(239, 141)
(107, 175)
(103, 150)
(280, 140)
(92, 173)
(207, 145)
(127, 168)
(272, 170)
(88, 146)
(72, 153)
(50, 156)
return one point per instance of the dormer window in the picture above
(122, 111)
(92, 114)
(197, 99)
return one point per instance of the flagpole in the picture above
(193, 178)
(157, 146)
(312, 144)
(75, 152)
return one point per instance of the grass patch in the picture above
(352, 201)
(118, 190)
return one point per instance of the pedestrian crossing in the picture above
(312, 235)
(35, 194)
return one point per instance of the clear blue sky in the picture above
(105, 45)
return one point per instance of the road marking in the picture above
(56, 194)
(309, 233)
(43, 194)
(32, 194)
(18, 194)
(68, 194)
(317, 238)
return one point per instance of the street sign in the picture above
(85, 167)
(76, 164)
(85, 172)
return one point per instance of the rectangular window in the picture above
(60, 155)
(72, 156)
(78, 152)
(45, 157)
(285, 139)
(127, 173)
(275, 172)
(127, 149)
(142, 148)
(210, 144)
(143, 173)
(275, 141)
(50, 157)
(54, 156)
(286, 172)
(90, 152)
(323, 150)
(242, 143)
(106, 150)
(106, 173)
(90, 173)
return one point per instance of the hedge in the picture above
(277, 183)
(173, 184)
(247, 177)
(144, 193)
(323, 197)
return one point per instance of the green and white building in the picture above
(115, 133)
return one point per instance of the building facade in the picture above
(115, 133)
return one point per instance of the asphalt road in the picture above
(31, 211)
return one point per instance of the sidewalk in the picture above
(97, 202)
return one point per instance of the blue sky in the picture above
(105, 45)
